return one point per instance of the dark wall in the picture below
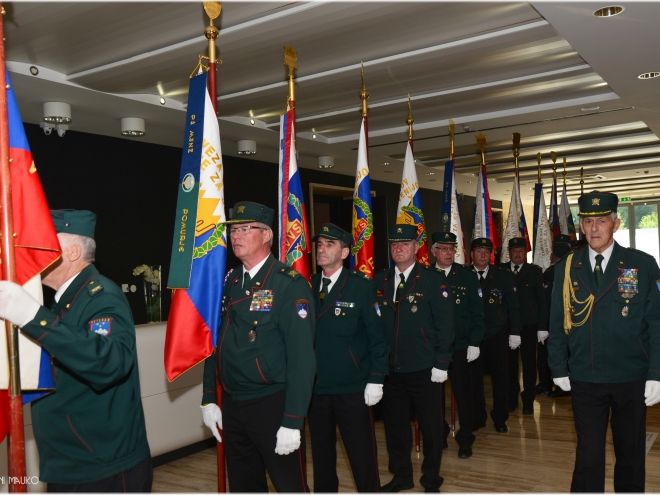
(132, 187)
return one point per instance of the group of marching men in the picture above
(286, 352)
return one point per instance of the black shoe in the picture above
(558, 392)
(540, 389)
(393, 487)
(528, 410)
(476, 424)
(464, 451)
(501, 427)
(431, 489)
(513, 408)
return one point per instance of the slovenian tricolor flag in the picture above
(516, 226)
(409, 210)
(199, 253)
(36, 248)
(542, 235)
(362, 252)
(555, 226)
(294, 233)
(451, 215)
(566, 224)
(483, 224)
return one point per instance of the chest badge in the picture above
(252, 335)
(624, 311)
(628, 283)
(458, 300)
(414, 308)
(337, 311)
(262, 300)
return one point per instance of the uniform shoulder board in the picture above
(360, 274)
(641, 252)
(290, 272)
(537, 267)
(94, 287)
(470, 267)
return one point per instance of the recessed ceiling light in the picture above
(34, 71)
(430, 173)
(649, 75)
(162, 100)
(469, 182)
(590, 109)
(252, 121)
(609, 11)
(325, 161)
(384, 164)
(313, 136)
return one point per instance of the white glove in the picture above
(438, 376)
(472, 353)
(373, 393)
(652, 392)
(563, 383)
(288, 441)
(212, 416)
(16, 304)
(542, 335)
(514, 342)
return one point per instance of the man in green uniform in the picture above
(264, 360)
(352, 361)
(468, 332)
(528, 280)
(90, 432)
(414, 301)
(605, 346)
(502, 322)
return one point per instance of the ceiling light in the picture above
(252, 121)
(590, 109)
(608, 11)
(384, 164)
(34, 70)
(246, 147)
(649, 75)
(313, 136)
(132, 126)
(56, 112)
(469, 182)
(430, 173)
(162, 100)
(325, 162)
(467, 128)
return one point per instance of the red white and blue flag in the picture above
(199, 253)
(294, 233)
(451, 215)
(362, 252)
(483, 224)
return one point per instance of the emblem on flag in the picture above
(302, 308)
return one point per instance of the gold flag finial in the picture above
(538, 161)
(410, 121)
(364, 94)
(553, 157)
(452, 131)
(516, 144)
(211, 32)
(291, 61)
(481, 143)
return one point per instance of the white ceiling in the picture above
(496, 67)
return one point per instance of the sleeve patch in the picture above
(102, 326)
(302, 308)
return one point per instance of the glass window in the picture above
(622, 236)
(646, 229)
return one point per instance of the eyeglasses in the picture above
(244, 230)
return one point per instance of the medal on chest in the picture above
(628, 283)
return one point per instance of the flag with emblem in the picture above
(409, 210)
(516, 226)
(451, 215)
(294, 233)
(555, 227)
(542, 236)
(200, 239)
(566, 224)
(362, 251)
(483, 224)
(36, 247)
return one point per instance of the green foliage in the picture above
(649, 221)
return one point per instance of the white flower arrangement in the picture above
(151, 276)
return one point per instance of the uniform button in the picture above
(256, 322)
(43, 323)
(68, 306)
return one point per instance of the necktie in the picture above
(515, 269)
(598, 270)
(246, 279)
(324, 290)
(399, 288)
(482, 279)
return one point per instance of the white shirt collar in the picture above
(485, 270)
(513, 266)
(64, 287)
(406, 273)
(255, 269)
(333, 278)
(606, 257)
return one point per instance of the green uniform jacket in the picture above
(468, 310)
(93, 425)
(266, 340)
(420, 327)
(500, 300)
(548, 282)
(531, 296)
(351, 350)
(620, 341)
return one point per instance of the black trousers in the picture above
(356, 425)
(527, 351)
(138, 479)
(494, 353)
(250, 435)
(403, 390)
(592, 403)
(460, 374)
(542, 366)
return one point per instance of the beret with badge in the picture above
(247, 211)
(444, 238)
(402, 232)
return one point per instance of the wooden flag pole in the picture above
(16, 439)
(213, 10)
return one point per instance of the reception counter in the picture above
(171, 409)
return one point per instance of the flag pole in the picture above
(213, 10)
(291, 61)
(565, 171)
(410, 121)
(16, 439)
(581, 181)
(538, 165)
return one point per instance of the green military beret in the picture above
(481, 242)
(516, 242)
(331, 231)
(247, 211)
(402, 232)
(597, 204)
(79, 222)
(443, 238)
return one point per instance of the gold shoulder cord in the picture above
(569, 296)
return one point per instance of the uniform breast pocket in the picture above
(625, 310)
(345, 319)
(255, 326)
